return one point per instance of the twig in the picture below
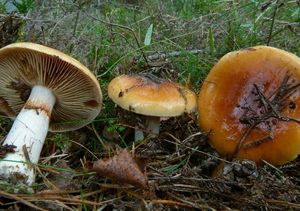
(243, 138)
(159, 55)
(273, 106)
(19, 199)
(284, 203)
(81, 145)
(170, 202)
(196, 150)
(27, 158)
(194, 205)
(99, 138)
(67, 200)
(273, 167)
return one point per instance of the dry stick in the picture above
(84, 195)
(284, 203)
(243, 138)
(57, 192)
(292, 90)
(196, 150)
(190, 203)
(123, 27)
(99, 138)
(266, 103)
(159, 55)
(81, 145)
(19, 199)
(272, 110)
(279, 91)
(284, 95)
(63, 199)
(171, 202)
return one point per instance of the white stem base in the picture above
(28, 134)
(151, 126)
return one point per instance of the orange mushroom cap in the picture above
(149, 95)
(240, 100)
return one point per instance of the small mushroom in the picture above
(250, 102)
(151, 97)
(38, 86)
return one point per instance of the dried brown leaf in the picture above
(122, 168)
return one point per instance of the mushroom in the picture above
(152, 97)
(250, 102)
(39, 85)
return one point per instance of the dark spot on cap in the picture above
(91, 103)
(292, 105)
(121, 94)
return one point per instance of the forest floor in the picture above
(178, 40)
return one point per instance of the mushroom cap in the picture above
(148, 95)
(227, 95)
(77, 91)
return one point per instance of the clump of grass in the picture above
(60, 140)
(24, 6)
(2, 8)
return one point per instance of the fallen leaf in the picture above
(122, 168)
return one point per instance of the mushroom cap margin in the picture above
(222, 95)
(148, 95)
(77, 91)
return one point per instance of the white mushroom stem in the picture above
(151, 125)
(28, 134)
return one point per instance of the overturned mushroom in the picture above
(250, 103)
(39, 85)
(152, 97)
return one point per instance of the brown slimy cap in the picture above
(229, 103)
(77, 91)
(148, 95)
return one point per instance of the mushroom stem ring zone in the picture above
(42, 89)
(28, 134)
(151, 126)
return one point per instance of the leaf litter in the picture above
(122, 168)
(187, 185)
